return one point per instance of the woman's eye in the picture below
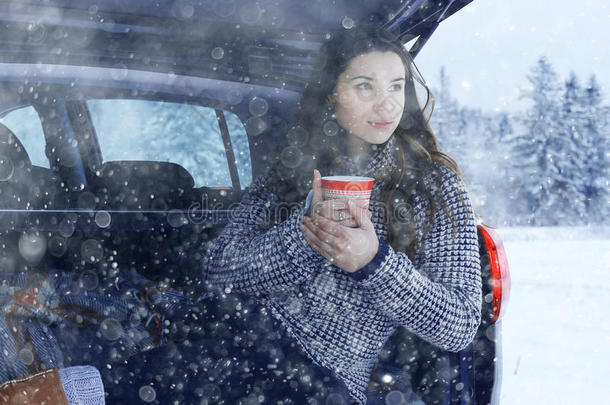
(364, 86)
(396, 87)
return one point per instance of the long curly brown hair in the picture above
(417, 149)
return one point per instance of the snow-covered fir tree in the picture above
(505, 128)
(538, 151)
(472, 138)
(571, 148)
(546, 166)
(596, 134)
(446, 120)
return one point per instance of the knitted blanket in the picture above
(342, 320)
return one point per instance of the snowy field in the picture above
(556, 332)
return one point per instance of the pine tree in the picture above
(446, 120)
(537, 149)
(596, 133)
(570, 168)
(550, 167)
(497, 176)
(471, 138)
(505, 129)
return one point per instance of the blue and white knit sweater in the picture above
(342, 320)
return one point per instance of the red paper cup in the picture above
(348, 187)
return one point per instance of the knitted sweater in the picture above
(341, 319)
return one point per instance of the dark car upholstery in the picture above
(142, 185)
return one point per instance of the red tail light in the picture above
(499, 274)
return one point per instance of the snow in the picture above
(556, 331)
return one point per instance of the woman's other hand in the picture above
(347, 248)
(334, 210)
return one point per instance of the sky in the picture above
(489, 47)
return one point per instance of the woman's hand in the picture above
(334, 210)
(347, 248)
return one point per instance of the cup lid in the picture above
(347, 178)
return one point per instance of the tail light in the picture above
(499, 273)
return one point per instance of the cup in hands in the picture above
(348, 187)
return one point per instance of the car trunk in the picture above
(92, 215)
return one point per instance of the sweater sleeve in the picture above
(439, 299)
(250, 256)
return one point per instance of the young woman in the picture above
(340, 279)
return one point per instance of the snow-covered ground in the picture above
(556, 332)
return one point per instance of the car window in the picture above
(186, 134)
(25, 123)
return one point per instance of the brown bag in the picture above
(43, 388)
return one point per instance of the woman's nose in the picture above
(386, 104)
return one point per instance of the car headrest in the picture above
(129, 184)
(165, 176)
(13, 156)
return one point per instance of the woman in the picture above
(341, 279)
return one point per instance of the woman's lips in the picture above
(380, 124)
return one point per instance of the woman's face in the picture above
(369, 96)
